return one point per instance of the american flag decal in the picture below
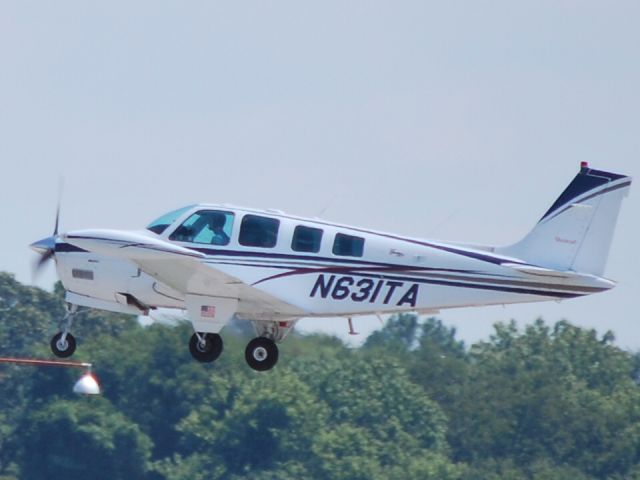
(208, 311)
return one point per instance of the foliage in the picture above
(555, 394)
(550, 401)
(82, 439)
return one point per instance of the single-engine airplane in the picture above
(217, 261)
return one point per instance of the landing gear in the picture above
(63, 344)
(205, 347)
(261, 354)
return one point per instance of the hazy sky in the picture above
(450, 120)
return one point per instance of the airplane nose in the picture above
(45, 245)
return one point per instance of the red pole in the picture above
(44, 363)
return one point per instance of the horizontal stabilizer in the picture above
(531, 270)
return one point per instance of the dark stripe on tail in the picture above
(586, 180)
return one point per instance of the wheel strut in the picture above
(205, 347)
(63, 344)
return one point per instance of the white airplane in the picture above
(217, 261)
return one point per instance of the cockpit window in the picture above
(206, 226)
(160, 224)
(257, 231)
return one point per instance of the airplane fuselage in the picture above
(391, 274)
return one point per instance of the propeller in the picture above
(42, 261)
(47, 246)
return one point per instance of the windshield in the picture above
(206, 226)
(160, 225)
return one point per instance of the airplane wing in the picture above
(184, 270)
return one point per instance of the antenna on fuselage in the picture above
(328, 204)
(446, 220)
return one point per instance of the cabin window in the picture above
(306, 239)
(347, 245)
(160, 224)
(257, 231)
(212, 227)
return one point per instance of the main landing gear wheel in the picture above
(261, 354)
(63, 348)
(205, 347)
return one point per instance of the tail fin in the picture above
(576, 232)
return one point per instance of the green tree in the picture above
(27, 315)
(252, 423)
(399, 334)
(389, 420)
(560, 396)
(439, 363)
(85, 438)
(149, 375)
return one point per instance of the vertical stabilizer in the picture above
(576, 232)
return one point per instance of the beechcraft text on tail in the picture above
(217, 262)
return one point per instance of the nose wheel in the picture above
(261, 354)
(63, 344)
(205, 347)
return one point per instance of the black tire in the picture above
(63, 350)
(261, 354)
(208, 352)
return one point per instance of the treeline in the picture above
(413, 403)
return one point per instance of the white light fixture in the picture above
(87, 385)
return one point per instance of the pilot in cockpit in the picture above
(216, 225)
(204, 227)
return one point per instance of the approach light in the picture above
(86, 385)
